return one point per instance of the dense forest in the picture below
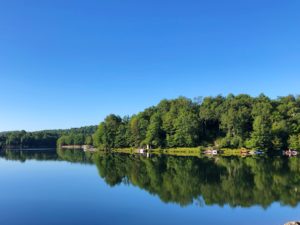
(76, 139)
(232, 122)
(43, 139)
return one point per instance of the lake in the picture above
(73, 187)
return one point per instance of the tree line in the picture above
(75, 139)
(232, 122)
(42, 139)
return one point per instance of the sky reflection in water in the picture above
(76, 188)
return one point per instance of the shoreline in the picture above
(28, 149)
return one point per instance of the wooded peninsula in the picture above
(234, 121)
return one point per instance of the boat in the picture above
(215, 152)
(141, 151)
(211, 152)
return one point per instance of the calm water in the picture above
(71, 187)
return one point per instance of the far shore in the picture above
(29, 149)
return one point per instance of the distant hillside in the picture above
(42, 139)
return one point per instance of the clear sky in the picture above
(70, 63)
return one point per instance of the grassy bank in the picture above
(195, 152)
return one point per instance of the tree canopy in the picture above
(232, 121)
(46, 138)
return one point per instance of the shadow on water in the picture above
(233, 181)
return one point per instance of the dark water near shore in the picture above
(73, 187)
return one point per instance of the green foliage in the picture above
(181, 123)
(294, 141)
(110, 133)
(236, 119)
(89, 140)
(72, 139)
(155, 135)
(261, 137)
(232, 121)
(45, 139)
(210, 115)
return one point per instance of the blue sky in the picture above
(70, 63)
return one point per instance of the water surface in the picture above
(72, 187)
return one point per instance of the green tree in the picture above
(261, 136)
(294, 142)
(106, 134)
(155, 135)
(236, 120)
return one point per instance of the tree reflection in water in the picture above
(232, 181)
